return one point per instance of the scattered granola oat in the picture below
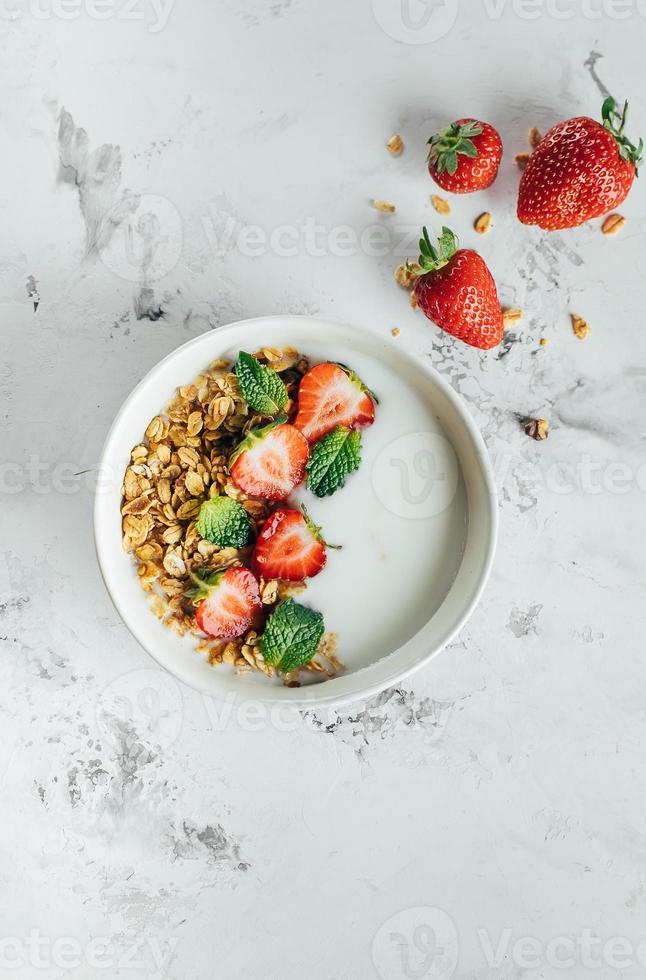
(325, 660)
(543, 341)
(269, 593)
(512, 315)
(522, 159)
(612, 224)
(327, 646)
(395, 145)
(579, 326)
(395, 331)
(482, 224)
(413, 301)
(440, 205)
(537, 428)
(405, 275)
(384, 206)
(534, 137)
(287, 589)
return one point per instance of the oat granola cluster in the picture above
(181, 462)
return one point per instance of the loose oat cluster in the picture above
(181, 462)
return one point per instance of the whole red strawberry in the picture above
(455, 290)
(579, 170)
(465, 156)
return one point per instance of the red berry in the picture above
(579, 170)
(270, 462)
(231, 604)
(331, 395)
(465, 156)
(289, 547)
(456, 290)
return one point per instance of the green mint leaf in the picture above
(261, 388)
(224, 522)
(332, 458)
(291, 636)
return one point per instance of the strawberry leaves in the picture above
(261, 387)
(332, 459)
(448, 143)
(203, 581)
(291, 636)
(615, 122)
(432, 258)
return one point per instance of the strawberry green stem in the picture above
(202, 584)
(316, 530)
(432, 258)
(448, 143)
(254, 436)
(356, 380)
(615, 122)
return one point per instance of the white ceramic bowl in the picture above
(417, 521)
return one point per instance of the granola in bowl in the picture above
(218, 550)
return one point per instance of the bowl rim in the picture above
(321, 695)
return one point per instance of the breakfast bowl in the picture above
(415, 525)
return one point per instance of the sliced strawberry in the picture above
(228, 603)
(270, 462)
(330, 395)
(289, 547)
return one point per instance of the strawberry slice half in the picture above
(289, 547)
(228, 603)
(330, 395)
(270, 461)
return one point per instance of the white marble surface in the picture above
(146, 834)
